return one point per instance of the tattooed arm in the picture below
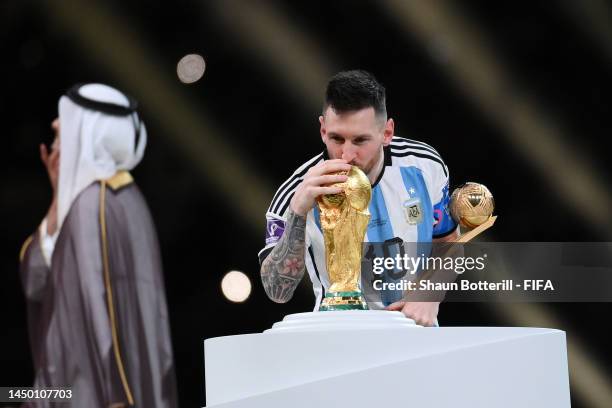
(283, 268)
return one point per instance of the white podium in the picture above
(381, 359)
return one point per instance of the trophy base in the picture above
(343, 301)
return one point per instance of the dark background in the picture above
(513, 95)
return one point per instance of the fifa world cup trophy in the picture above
(472, 206)
(344, 220)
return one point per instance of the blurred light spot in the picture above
(236, 286)
(190, 68)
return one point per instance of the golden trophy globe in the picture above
(471, 206)
(344, 220)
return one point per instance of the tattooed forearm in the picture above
(283, 268)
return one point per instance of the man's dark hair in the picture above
(355, 90)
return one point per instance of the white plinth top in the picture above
(378, 358)
(343, 320)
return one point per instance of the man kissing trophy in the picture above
(344, 220)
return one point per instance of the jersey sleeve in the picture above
(275, 227)
(443, 222)
(276, 215)
(276, 218)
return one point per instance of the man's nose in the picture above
(348, 154)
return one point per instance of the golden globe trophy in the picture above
(472, 206)
(344, 220)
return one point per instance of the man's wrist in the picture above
(293, 213)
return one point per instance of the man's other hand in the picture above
(423, 313)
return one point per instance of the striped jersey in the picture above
(409, 203)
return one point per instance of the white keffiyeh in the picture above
(94, 145)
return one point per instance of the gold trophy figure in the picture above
(344, 220)
(472, 206)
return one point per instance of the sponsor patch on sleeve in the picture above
(443, 223)
(274, 231)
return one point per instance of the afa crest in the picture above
(413, 211)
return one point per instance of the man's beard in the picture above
(369, 167)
